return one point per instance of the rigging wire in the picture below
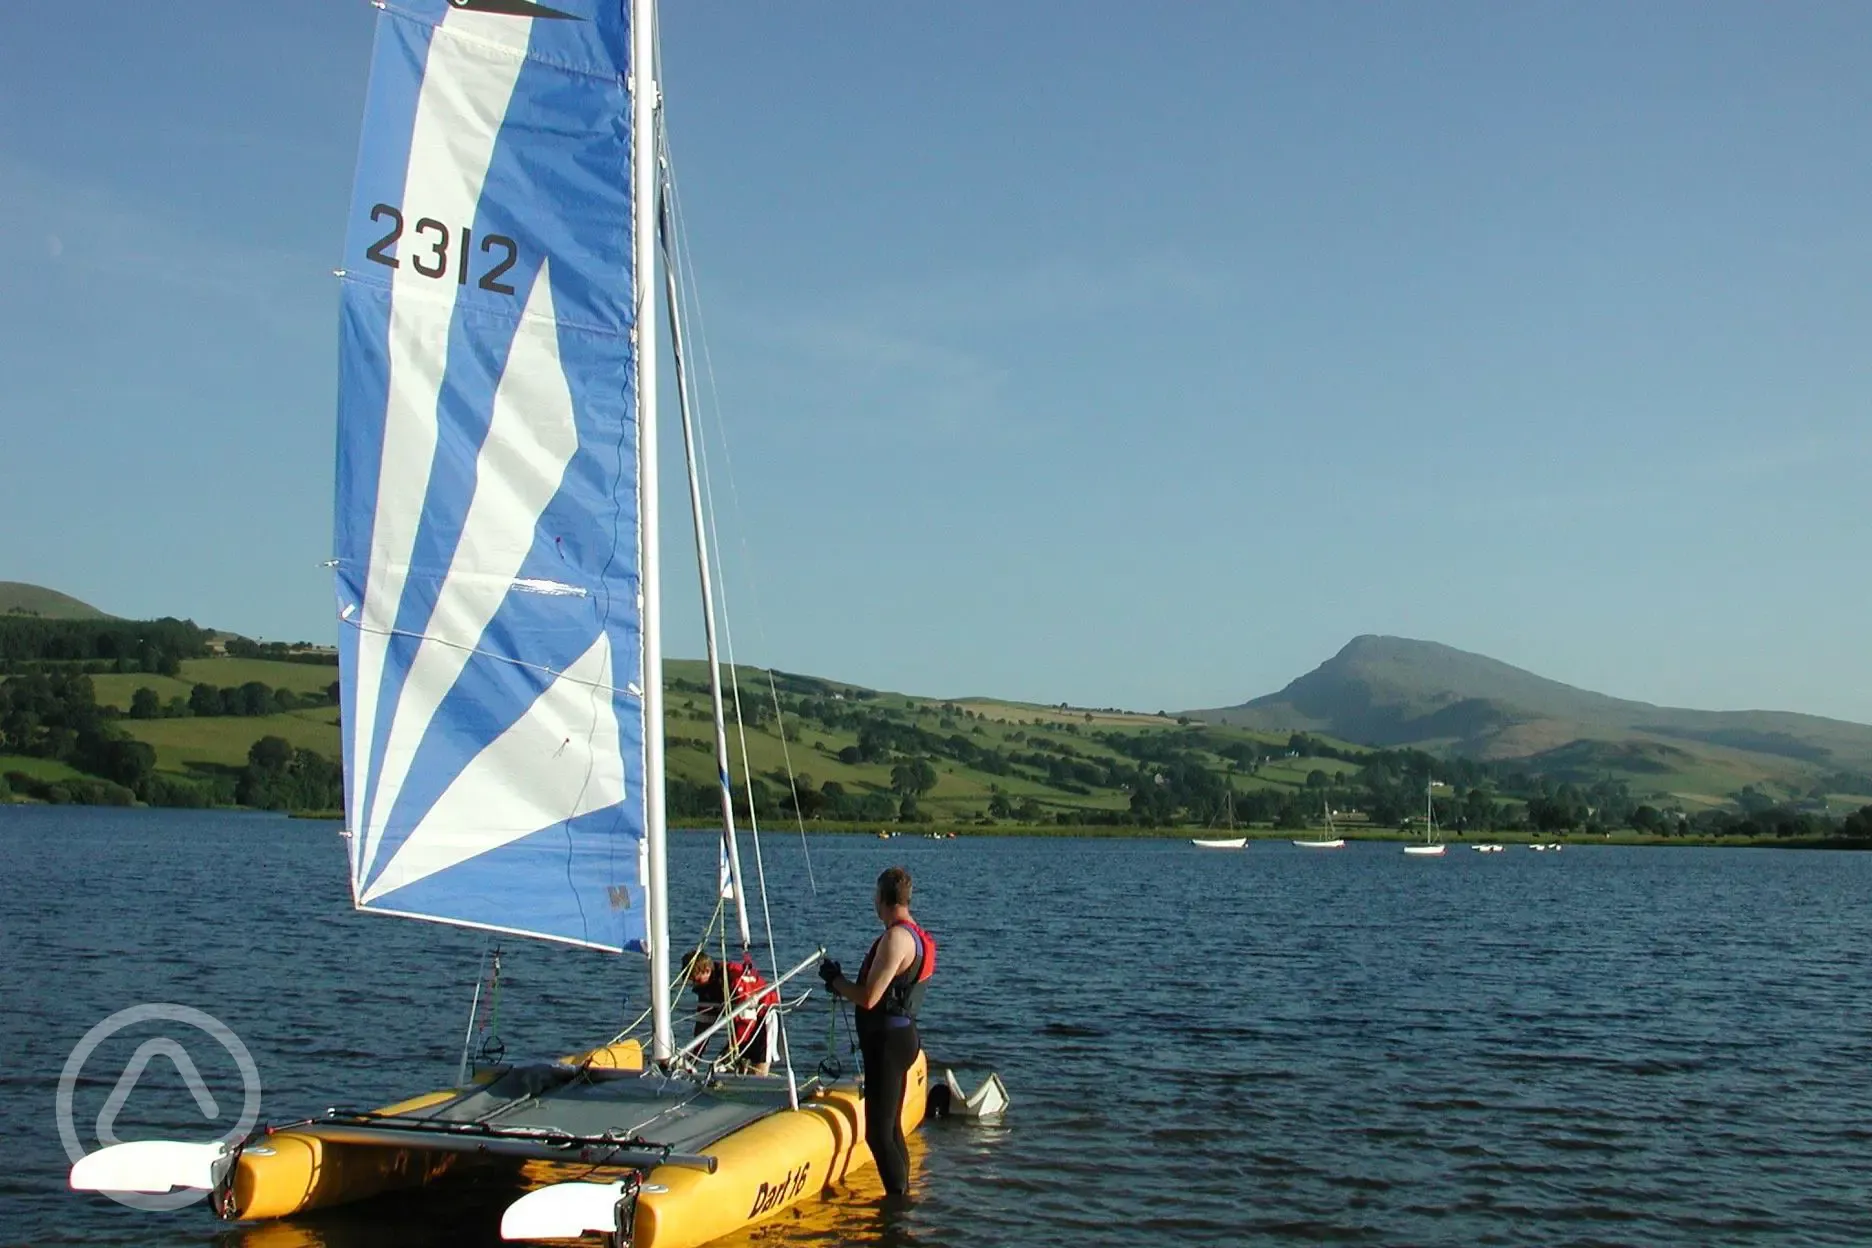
(693, 310)
(707, 535)
(691, 313)
(719, 917)
(677, 253)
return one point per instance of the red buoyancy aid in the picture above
(904, 995)
(746, 984)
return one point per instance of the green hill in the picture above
(150, 711)
(1043, 763)
(19, 598)
(1392, 691)
(847, 747)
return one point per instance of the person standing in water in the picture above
(889, 991)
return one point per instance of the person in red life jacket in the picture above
(752, 1038)
(888, 994)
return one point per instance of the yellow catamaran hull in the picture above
(760, 1169)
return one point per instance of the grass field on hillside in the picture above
(37, 600)
(1012, 727)
(814, 753)
(298, 677)
(224, 742)
(1022, 712)
(1292, 772)
(961, 792)
(116, 690)
(1054, 762)
(38, 768)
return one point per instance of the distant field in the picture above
(1021, 712)
(1697, 775)
(1047, 749)
(963, 793)
(224, 741)
(958, 792)
(117, 690)
(46, 603)
(38, 768)
(299, 677)
(1294, 771)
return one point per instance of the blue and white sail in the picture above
(487, 530)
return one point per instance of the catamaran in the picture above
(499, 598)
(1432, 847)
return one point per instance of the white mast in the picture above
(644, 104)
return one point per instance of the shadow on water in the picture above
(459, 1213)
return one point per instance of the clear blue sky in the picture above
(1064, 355)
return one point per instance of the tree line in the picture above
(56, 716)
(1169, 777)
(157, 646)
(205, 701)
(279, 776)
(279, 652)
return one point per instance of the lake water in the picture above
(1630, 1046)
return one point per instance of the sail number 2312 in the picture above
(436, 251)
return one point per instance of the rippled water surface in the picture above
(1605, 1045)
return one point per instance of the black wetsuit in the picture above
(888, 1041)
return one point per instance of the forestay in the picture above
(487, 531)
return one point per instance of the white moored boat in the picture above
(1327, 838)
(1227, 842)
(1432, 847)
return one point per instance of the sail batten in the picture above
(487, 558)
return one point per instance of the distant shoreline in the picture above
(964, 831)
(188, 726)
(967, 831)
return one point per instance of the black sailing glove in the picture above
(829, 971)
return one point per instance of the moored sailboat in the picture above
(1225, 842)
(1431, 847)
(499, 594)
(1327, 839)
